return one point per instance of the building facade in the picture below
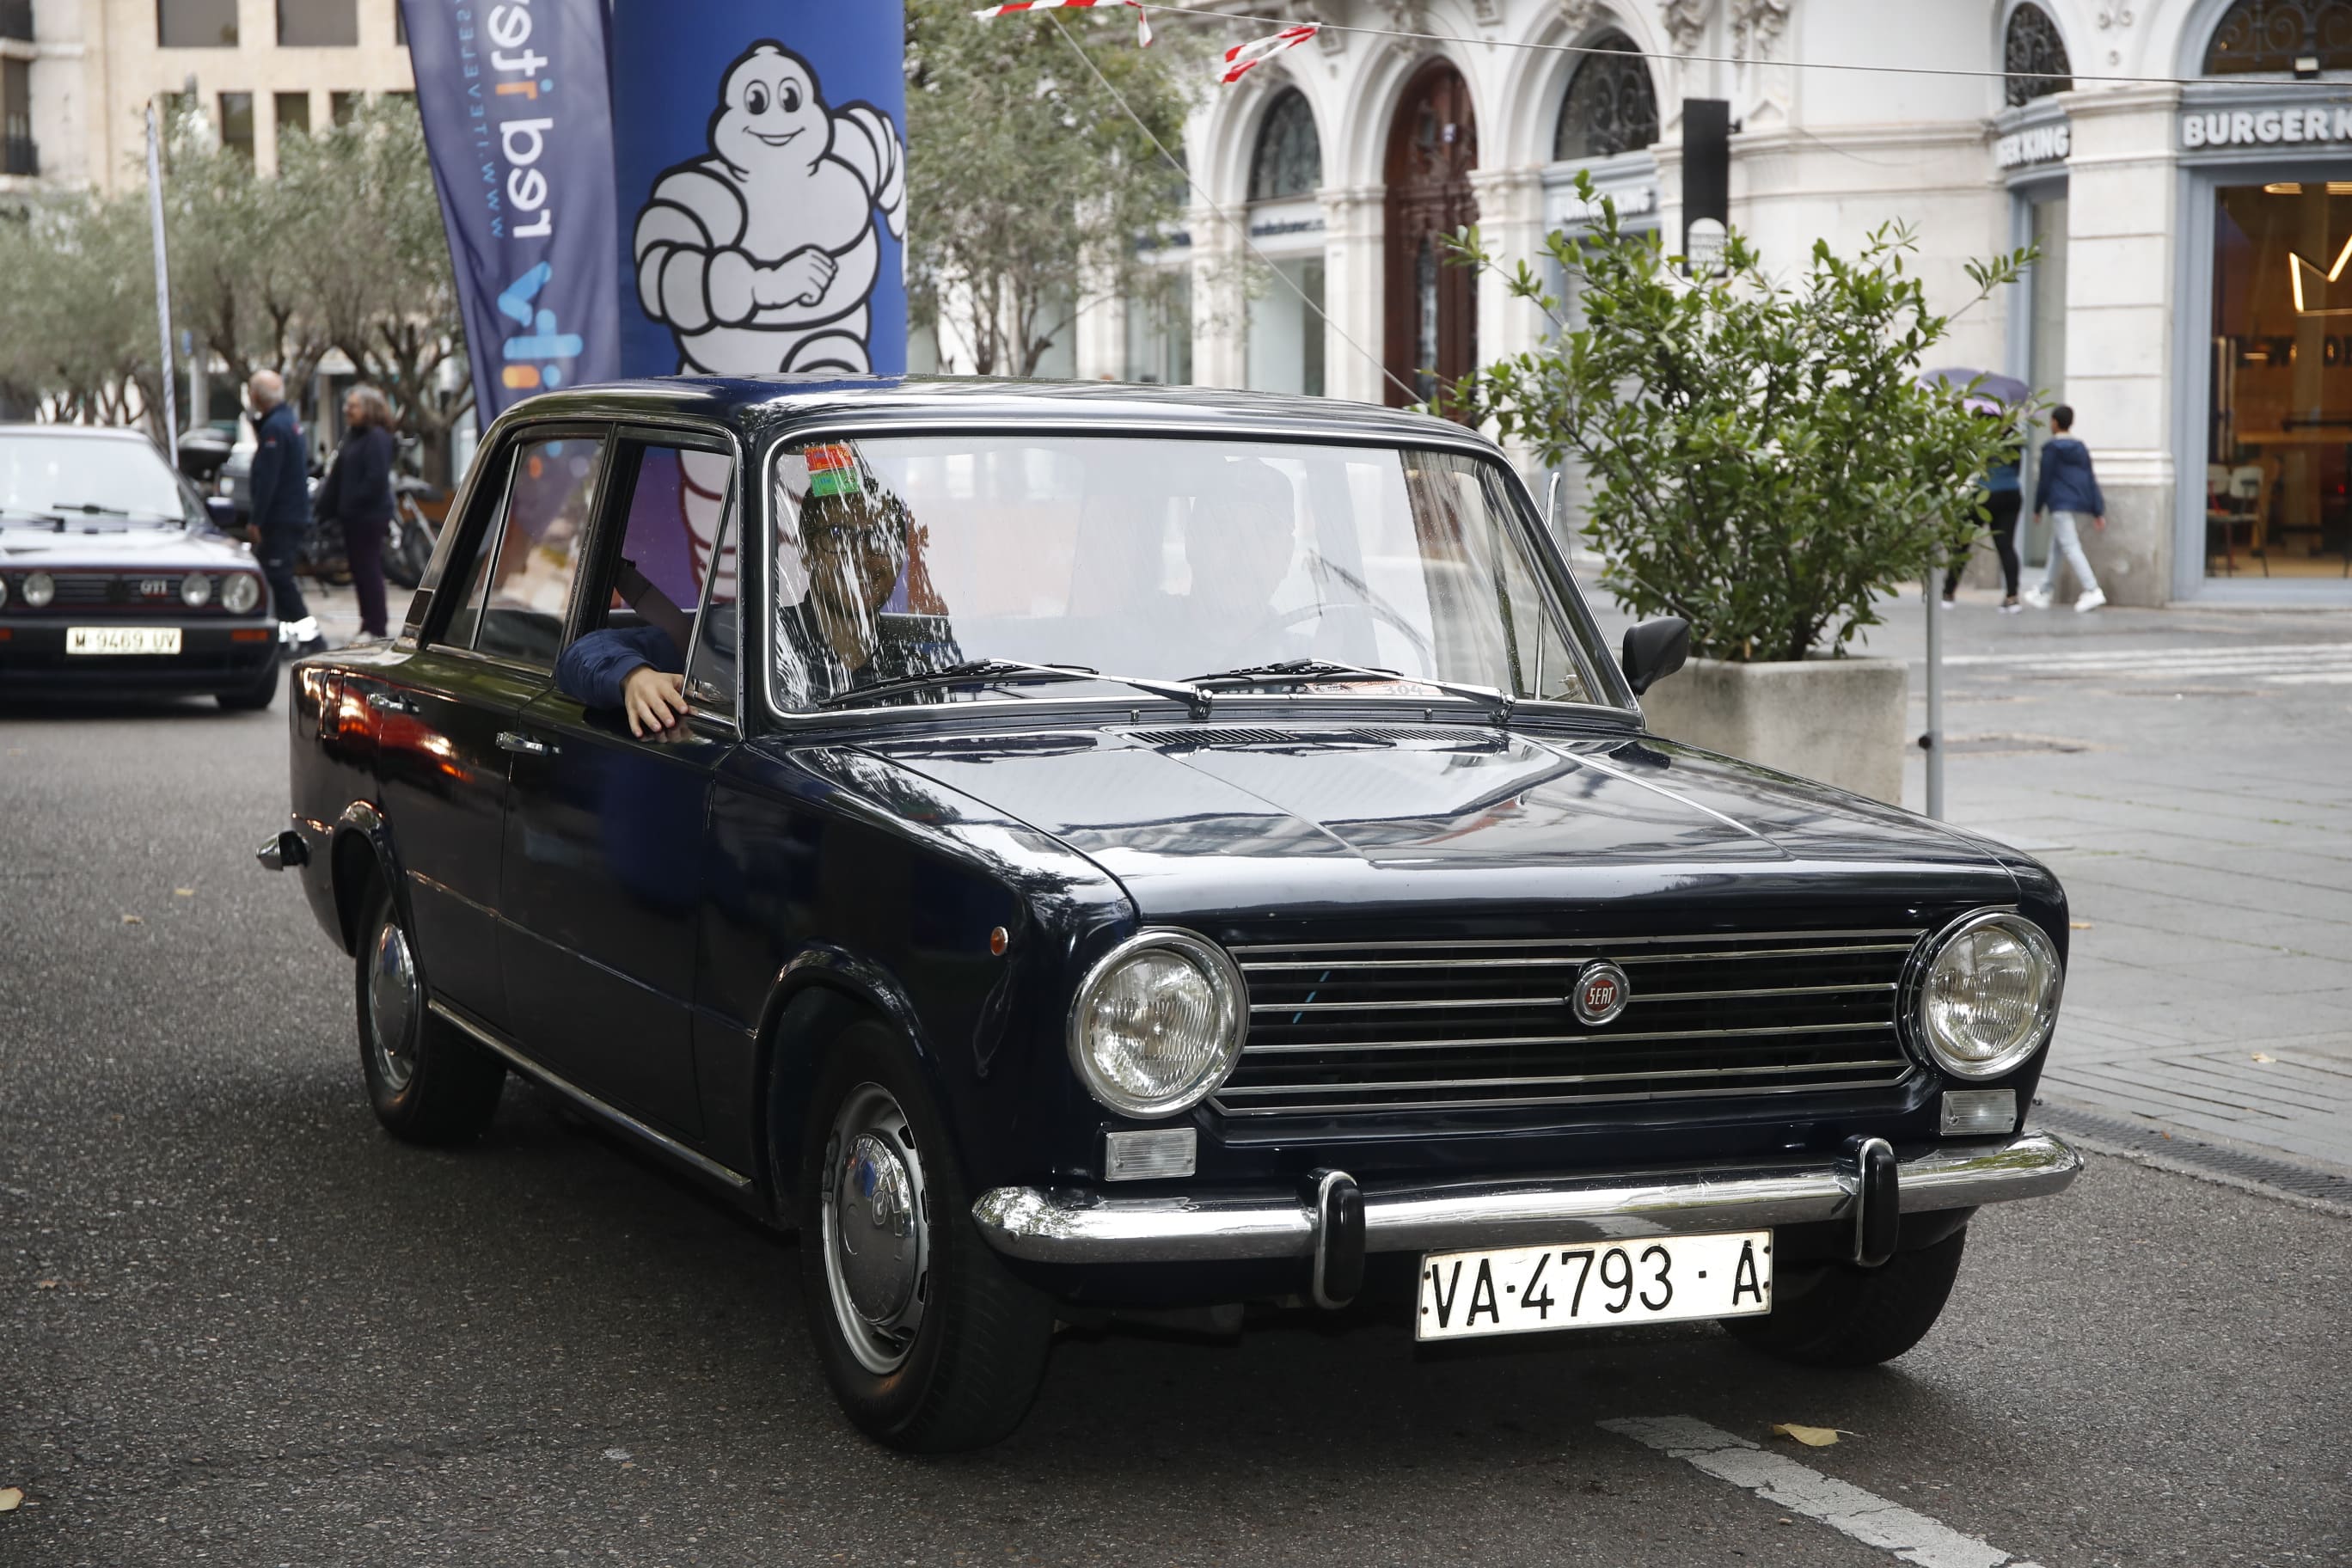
(2193, 299)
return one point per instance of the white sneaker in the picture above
(2038, 597)
(2012, 608)
(1949, 603)
(2090, 601)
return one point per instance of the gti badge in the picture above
(1602, 993)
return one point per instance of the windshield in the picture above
(80, 478)
(1157, 559)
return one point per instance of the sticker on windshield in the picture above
(833, 471)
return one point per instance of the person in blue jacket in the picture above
(2069, 491)
(280, 487)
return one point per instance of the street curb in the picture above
(2305, 1186)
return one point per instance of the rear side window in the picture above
(522, 583)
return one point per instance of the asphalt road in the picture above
(238, 1325)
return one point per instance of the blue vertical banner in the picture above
(519, 121)
(760, 159)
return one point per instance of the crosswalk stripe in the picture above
(2280, 657)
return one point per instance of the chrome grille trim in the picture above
(1465, 1024)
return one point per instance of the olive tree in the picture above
(1763, 460)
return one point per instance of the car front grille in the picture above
(1342, 1029)
(115, 592)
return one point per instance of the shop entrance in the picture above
(1432, 307)
(2278, 477)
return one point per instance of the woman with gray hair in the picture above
(357, 492)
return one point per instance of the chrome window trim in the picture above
(1549, 567)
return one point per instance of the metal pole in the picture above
(162, 284)
(1932, 742)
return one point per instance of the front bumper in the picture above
(213, 657)
(1082, 1226)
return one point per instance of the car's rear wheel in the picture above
(260, 694)
(427, 1082)
(1838, 1314)
(929, 1343)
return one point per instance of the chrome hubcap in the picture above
(392, 1006)
(876, 1230)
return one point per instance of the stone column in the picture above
(1510, 221)
(1354, 221)
(2122, 221)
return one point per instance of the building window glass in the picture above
(342, 106)
(318, 24)
(1286, 330)
(2278, 477)
(236, 124)
(2282, 36)
(292, 111)
(195, 24)
(1289, 159)
(1160, 331)
(2035, 56)
(1610, 107)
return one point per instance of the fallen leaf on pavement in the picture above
(183, 892)
(10, 1497)
(133, 920)
(1811, 1437)
(2260, 1057)
(44, 1284)
(2080, 925)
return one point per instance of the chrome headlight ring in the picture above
(1157, 1023)
(240, 593)
(1978, 1024)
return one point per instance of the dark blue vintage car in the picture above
(114, 579)
(1135, 851)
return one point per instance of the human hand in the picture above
(2100, 523)
(653, 702)
(800, 278)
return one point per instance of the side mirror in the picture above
(1653, 650)
(222, 510)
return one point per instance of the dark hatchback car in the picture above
(114, 579)
(1142, 851)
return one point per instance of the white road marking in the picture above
(1782, 1481)
(2241, 659)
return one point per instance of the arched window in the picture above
(1289, 159)
(2035, 56)
(1610, 107)
(2287, 36)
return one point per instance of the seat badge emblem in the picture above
(1602, 993)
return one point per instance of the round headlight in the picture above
(39, 589)
(240, 593)
(4, 590)
(1990, 995)
(196, 590)
(1159, 1023)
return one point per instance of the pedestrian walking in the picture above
(357, 493)
(2004, 497)
(279, 484)
(2069, 491)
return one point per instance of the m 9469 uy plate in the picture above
(1584, 1285)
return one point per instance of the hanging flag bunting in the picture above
(1142, 22)
(1242, 58)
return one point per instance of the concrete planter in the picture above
(1841, 721)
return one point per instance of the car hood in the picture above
(1222, 821)
(115, 548)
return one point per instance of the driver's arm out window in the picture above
(672, 581)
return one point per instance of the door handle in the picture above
(517, 742)
(388, 702)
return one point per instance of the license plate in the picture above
(1658, 1280)
(122, 639)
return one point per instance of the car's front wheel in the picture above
(928, 1343)
(1839, 1314)
(427, 1082)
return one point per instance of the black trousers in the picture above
(2004, 505)
(281, 543)
(363, 548)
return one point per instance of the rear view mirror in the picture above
(1653, 650)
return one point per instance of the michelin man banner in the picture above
(762, 165)
(519, 122)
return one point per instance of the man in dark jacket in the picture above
(281, 503)
(2069, 491)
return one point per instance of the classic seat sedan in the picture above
(114, 579)
(1071, 851)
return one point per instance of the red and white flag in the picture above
(1142, 22)
(1242, 58)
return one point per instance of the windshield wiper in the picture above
(1293, 670)
(994, 671)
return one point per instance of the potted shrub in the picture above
(1763, 462)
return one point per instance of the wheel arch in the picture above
(361, 848)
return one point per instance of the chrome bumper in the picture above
(1083, 1226)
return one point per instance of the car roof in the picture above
(766, 401)
(79, 432)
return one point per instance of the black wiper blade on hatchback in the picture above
(1293, 670)
(1002, 669)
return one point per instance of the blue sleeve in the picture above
(591, 670)
(262, 482)
(2042, 482)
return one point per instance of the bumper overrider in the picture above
(1332, 1223)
